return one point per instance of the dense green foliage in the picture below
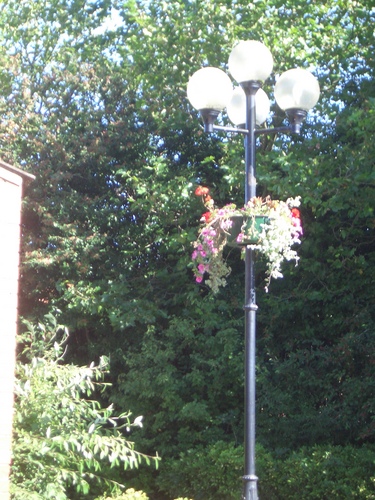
(318, 472)
(100, 116)
(322, 472)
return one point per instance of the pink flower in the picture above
(298, 228)
(194, 255)
(202, 268)
(208, 232)
(198, 279)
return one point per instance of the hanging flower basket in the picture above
(271, 227)
(250, 227)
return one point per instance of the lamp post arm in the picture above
(235, 130)
(287, 129)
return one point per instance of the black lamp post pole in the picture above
(296, 117)
(250, 480)
(250, 489)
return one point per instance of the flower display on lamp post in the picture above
(271, 227)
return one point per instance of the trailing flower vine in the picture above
(271, 227)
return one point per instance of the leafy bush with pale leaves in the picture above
(64, 441)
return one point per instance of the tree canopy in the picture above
(93, 103)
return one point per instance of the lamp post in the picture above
(210, 90)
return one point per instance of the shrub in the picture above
(204, 474)
(64, 441)
(129, 494)
(315, 473)
(321, 472)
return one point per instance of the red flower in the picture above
(296, 214)
(202, 191)
(296, 221)
(206, 216)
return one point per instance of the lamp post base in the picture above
(250, 488)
